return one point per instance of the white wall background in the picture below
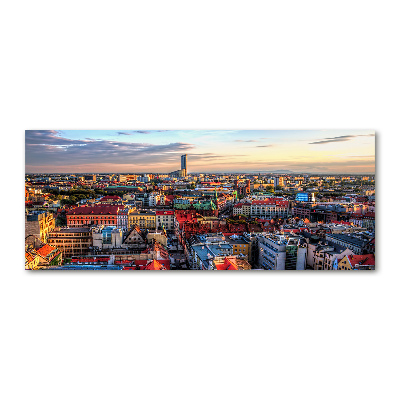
(210, 64)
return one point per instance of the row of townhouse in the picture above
(120, 216)
(265, 209)
(326, 254)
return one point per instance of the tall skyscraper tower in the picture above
(184, 163)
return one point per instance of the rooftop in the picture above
(166, 212)
(71, 230)
(365, 259)
(46, 251)
(95, 210)
(346, 238)
(106, 198)
(208, 251)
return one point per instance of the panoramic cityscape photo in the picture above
(200, 200)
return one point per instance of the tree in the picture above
(270, 188)
(61, 220)
(64, 202)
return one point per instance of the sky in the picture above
(159, 151)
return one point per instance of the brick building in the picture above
(95, 215)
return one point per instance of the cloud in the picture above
(343, 138)
(43, 137)
(210, 157)
(143, 132)
(334, 139)
(265, 145)
(50, 148)
(247, 141)
(372, 156)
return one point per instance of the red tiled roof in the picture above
(294, 230)
(228, 264)
(155, 265)
(141, 263)
(95, 210)
(167, 212)
(271, 201)
(105, 198)
(341, 222)
(29, 257)
(46, 250)
(364, 259)
(369, 214)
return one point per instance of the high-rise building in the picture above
(184, 163)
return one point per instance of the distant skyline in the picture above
(140, 151)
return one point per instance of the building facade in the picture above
(109, 237)
(96, 215)
(165, 220)
(39, 224)
(71, 241)
(143, 219)
(279, 252)
(184, 164)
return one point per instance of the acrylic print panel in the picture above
(200, 200)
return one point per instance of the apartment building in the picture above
(108, 237)
(122, 218)
(165, 219)
(212, 249)
(95, 215)
(143, 219)
(267, 209)
(326, 255)
(240, 246)
(349, 241)
(71, 241)
(279, 252)
(39, 224)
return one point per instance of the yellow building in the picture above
(246, 209)
(31, 259)
(39, 224)
(357, 261)
(240, 247)
(144, 220)
(344, 264)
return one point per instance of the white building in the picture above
(153, 199)
(108, 237)
(165, 219)
(279, 252)
(122, 218)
